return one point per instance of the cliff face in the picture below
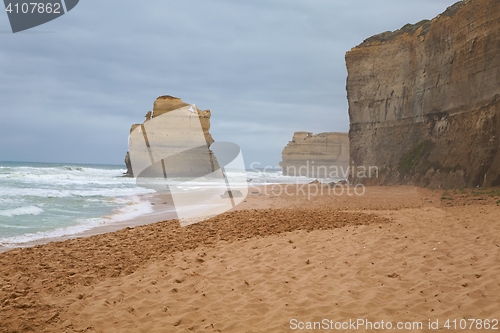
(174, 136)
(324, 155)
(424, 101)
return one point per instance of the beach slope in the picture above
(397, 254)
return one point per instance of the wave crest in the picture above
(29, 210)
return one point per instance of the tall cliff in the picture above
(424, 101)
(324, 155)
(173, 137)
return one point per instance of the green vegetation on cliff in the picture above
(411, 158)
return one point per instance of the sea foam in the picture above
(29, 210)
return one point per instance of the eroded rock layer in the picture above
(324, 155)
(424, 101)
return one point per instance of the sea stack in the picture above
(172, 129)
(324, 155)
(424, 101)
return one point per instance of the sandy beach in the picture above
(279, 263)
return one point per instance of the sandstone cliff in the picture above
(175, 137)
(324, 155)
(424, 101)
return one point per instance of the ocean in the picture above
(41, 201)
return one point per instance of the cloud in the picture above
(71, 88)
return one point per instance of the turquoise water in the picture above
(41, 200)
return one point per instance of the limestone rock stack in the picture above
(316, 156)
(174, 137)
(424, 101)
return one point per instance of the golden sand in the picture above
(397, 254)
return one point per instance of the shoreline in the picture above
(281, 195)
(129, 210)
(162, 210)
(157, 200)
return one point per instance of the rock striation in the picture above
(424, 101)
(175, 137)
(324, 155)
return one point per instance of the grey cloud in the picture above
(264, 68)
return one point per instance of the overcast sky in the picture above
(70, 89)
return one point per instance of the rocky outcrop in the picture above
(128, 164)
(173, 136)
(324, 155)
(424, 101)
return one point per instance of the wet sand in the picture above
(397, 254)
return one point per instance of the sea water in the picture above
(40, 201)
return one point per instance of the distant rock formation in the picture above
(324, 155)
(182, 161)
(424, 101)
